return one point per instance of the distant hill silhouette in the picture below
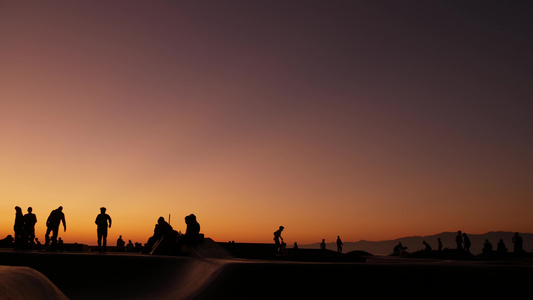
(414, 243)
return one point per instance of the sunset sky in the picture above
(365, 119)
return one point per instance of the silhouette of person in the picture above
(102, 221)
(129, 246)
(7, 242)
(120, 244)
(517, 241)
(323, 244)
(277, 238)
(466, 242)
(283, 249)
(52, 225)
(339, 244)
(192, 232)
(295, 247)
(399, 249)
(162, 229)
(459, 240)
(428, 247)
(37, 244)
(501, 248)
(29, 226)
(487, 248)
(19, 229)
(60, 244)
(439, 245)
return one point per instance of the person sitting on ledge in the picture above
(192, 234)
(162, 229)
(487, 248)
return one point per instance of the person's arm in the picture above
(64, 223)
(109, 221)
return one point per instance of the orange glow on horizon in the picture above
(347, 119)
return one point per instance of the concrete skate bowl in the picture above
(90, 276)
(27, 283)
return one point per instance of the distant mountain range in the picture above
(414, 243)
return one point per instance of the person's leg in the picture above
(47, 236)
(55, 233)
(99, 239)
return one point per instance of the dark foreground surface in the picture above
(135, 276)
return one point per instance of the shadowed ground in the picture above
(135, 276)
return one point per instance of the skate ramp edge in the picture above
(27, 283)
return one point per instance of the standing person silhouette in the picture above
(323, 244)
(459, 240)
(52, 225)
(339, 244)
(120, 244)
(19, 229)
(29, 226)
(466, 242)
(102, 221)
(277, 237)
(517, 241)
(501, 249)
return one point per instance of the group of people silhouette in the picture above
(281, 246)
(463, 245)
(166, 240)
(24, 229)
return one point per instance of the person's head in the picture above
(102, 210)
(30, 209)
(161, 220)
(60, 208)
(459, 232)
(190, 219)
(18, 209)
(323, 240)
(281, 228)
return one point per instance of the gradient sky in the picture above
(365, 119)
